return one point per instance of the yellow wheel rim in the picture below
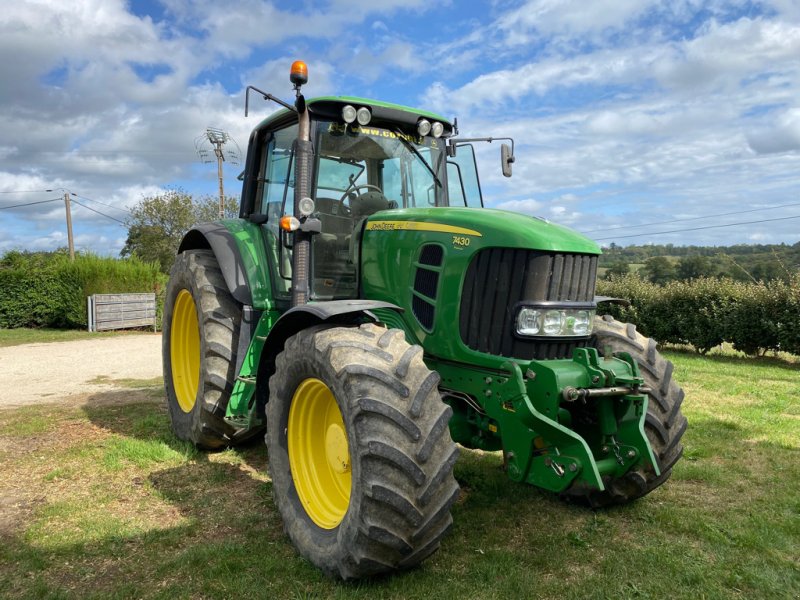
(319, 455)
(184, 348)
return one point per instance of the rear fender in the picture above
(221, 242)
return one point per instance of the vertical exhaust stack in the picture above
(303, 152)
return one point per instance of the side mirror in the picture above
(507, 158)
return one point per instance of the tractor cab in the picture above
(367, 156)
(365, 159)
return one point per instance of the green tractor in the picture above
(371, 315)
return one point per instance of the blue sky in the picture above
(624, 112)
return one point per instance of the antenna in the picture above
(214, 140)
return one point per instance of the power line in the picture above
(29, 203)
(99, 213)
(737, 212)
(621, 237)
(103, 203)
(25, 192)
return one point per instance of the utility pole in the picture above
(220, 159)
(69, 221)
(217, 139)
(69, 226)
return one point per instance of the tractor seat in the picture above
(370, 202)
(364, 206)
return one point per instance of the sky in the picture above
(635, 121)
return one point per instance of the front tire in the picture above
(200, 337)
(359, 450)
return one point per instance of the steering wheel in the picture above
(355, 190)
(344, 209)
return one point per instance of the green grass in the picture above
(105, 503)
(16, 337)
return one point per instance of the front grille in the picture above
(424, 311)
(431, 254)
(426, 281)
(499, 278)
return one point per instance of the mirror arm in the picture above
(266, 97)
(453, 142)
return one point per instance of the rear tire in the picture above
(664, 423)
(200, 337)
(389, 504)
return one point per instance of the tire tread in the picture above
(403, 487)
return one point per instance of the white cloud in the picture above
(577, 18)
(386, 60)
(724, 55)
(255, 23)
(527, 206)
(780, 134)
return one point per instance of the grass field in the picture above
(101, 500)
(15, 337)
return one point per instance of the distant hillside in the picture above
(663, 262)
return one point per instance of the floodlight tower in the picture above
(217, 140)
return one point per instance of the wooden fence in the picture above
(120, 311)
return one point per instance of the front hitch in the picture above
(541, 444)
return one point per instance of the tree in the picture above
(618, 269)
(207, 208)
(769, 270)
(692, 267)
(659, 269)
(158, 223)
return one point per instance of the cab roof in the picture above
(383, 113)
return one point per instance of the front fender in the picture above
(344, 312)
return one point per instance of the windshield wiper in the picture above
(410, 146)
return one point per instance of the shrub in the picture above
(46, 289)
(704, 312)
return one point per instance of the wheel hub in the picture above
(319, 455)
(336, 448)
(184, 346)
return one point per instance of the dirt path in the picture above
(58, 371)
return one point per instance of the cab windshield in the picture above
(393, 169)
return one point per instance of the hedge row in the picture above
(47, 289)
(754, 317)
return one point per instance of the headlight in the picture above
(582, 322)
(555, 321)
(529, 321)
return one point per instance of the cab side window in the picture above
(463, 186)
(276, 189)
(278, 172)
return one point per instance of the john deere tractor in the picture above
(372, 316)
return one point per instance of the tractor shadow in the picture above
(206, 483)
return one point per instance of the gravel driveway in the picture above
(58, 371)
